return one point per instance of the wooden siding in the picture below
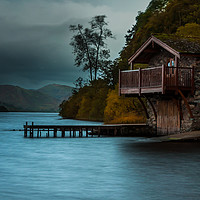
(168, 117)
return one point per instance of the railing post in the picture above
(163, 79)
(176, 67)
(192, 80)
(140, 79)
(119, 91)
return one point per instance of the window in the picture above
(171, 65)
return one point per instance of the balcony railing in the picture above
(156, 80)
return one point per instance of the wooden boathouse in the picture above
(170, 84)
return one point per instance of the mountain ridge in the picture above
(15, 98)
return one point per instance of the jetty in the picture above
(68, 131)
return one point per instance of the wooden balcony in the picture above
(156, 80)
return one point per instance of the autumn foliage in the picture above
(122, 110)
(99, 100)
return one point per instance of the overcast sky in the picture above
(34, 37)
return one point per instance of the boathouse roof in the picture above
(172, 43)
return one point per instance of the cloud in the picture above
(34, 37)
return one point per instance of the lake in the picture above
(108, 168)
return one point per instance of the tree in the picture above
(89, 45)
(189, 30)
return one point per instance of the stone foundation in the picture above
(186, 122)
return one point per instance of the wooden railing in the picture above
(157, 79)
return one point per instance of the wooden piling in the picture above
(55, 133)
(70, 132)
(86, 132)
(48, 132)
(63, 133)
(25, 130)
(115, 132)
(31, 131)
(99, 131)
(92, 132)
(38, 133)
(74, 133)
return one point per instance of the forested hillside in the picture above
(177, 17)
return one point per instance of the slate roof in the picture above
(172, 43)
(181, 44)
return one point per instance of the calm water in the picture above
(93, 168)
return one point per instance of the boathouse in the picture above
(169, 85)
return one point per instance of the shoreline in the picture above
(192, 136)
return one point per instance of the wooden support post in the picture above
(186, 103)
(92, 132)
(48, 132)
(70, 132)
(140, 80)
(86, 132)
(99, 131)
(119, 89)
(144, 107)
(176, 67)
(192, 80)
(74, 132)
(25, 130)
(63, 133)
(80, 132)
(55, 133)
(31, 131)
(121, 131)
(38, 131)
(163, 79)
(115, 131)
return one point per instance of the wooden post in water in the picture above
(63, 133)
(99, 131)
(48, 132)
(55, 133)
(31, 131)
(25, 130)
(86, 132)
(115, 131)
(38, 133)
(70, 132)
(74, 133)
(80, 132)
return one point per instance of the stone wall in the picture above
(187, 124)
(160, 59)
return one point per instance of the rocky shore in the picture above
(192, 136)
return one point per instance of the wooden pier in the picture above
(68, 131)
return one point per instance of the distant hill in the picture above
(59, 92)
(3, 109)
(14, 98)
